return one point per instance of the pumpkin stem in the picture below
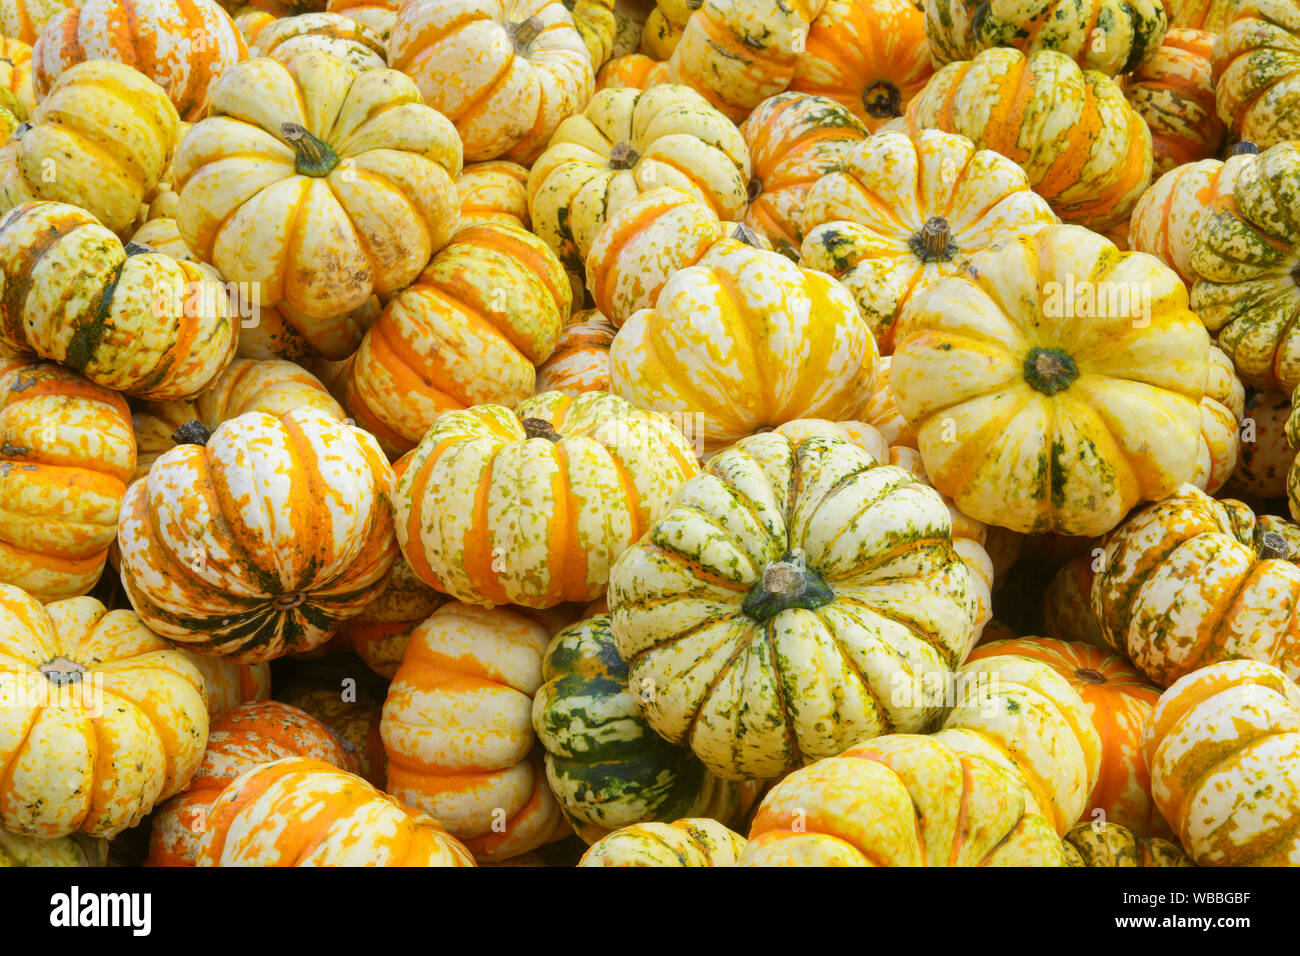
(1244, 148)
(754, 189)
(192, 433)
(134, 248)
(1050, 370)
(623, 156)
(1089, 675)
(61, 672)
(20, 131)
(525, 32)
(934, 241)
(743, 233)
(883, 100)
(540, 428)
(289, 600)
(694, 5)
(1273, 546)
(788, 583)
(314, 158)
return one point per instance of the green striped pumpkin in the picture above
(1100, 843)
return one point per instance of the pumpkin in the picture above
(1190, 581)
(228, 684)
(1244, 255)
(1067, 602)
(580, 363)
(816, 601)
(251, 20)
(1166, 216)
(1110, 36)
(1224, 749)
(626, 142)
(1257, 72)
(881, 410)
(65, 155)
(349, 198)
(1085, 149)
(1264, 456)
(904, 211)
(1173, 91)
(181, 46)
(605, 765)
(302, 812)
(1293, 475)
(105, 719)
(688, 842)
(1211, 16)
(737, 53)
(16, 71)
(471, 330)
(126, 318)
(532, 506)
(25, 19)
(793, 140)
(496, 190)
(1221, 411)
(457, 729)
(636, 70)
(1117, 700)
(1103, 843)
(506, 72)
(262, 539)
(350, 40)
(627, 32)
(900, 800)
(379, 15)
(277, 8)
(870, 56)
(743, 341)
(241, 738)
(77, 850)
(356, 724)
(380, 633)
(664, 25)
(1056, 385)
(597, 24)
(272, 386)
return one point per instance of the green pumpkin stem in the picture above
(623, 156)
(883, 100)
(192, 433)
(788, 583)
(1050, 370)
(314, 158)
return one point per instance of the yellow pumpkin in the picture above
(1101, 843)
(496, 190)
(16, 71)
(1173, 91)
(379, 15)
(663, 26)
(348, 39)
(25, 19)
(580, 363)
(696, 841)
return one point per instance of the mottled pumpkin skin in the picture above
(1265, 455)
(636, 70)
(900, 800)
(626, 142)
(241, 738)
(380, 633)
(1221, 413)
(1213, 16)
(663, 26)
(470, 331)
(1067, 603)
(356, 725)
(319, 233)
(227, 683)
(580, 363)
(138, 322)
(379, 15)
(65, 155)
(793, 140)
(1190, 581)
(350, 40)
(265, 540)
(16, 71)
(25, 19)
(1224, 749)
(495, 190)
(302, 812)
(107, 721)
(1036, 413)
(755, 681)
(870, 56)
(1118, 701)
(491, 516)
(1173, 90)
(1110, 36)
(1085, 150)
(597, 24)
(457, 728)
(182, 45)
(1244, 255)
(251, 20)
(77, 850)
(865, 223)
(1257, 72)
(1166, 216)
(506, 72)
(688, 842)
(1104, 843)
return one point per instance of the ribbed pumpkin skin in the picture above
(675, 139)
(1224, 751)
(1038, 421)
(77, 850)
(746, 340)
(242, 738)
(580, 363)
(1093, 159)
(793, 141)
(688, 842)
(350, 40)
(1173, 91)
(663, 26)
(263, 542)
(25, 19)
(1118, 701)
(16, 71)
(863, 223)
(636, 70)
(489, 515)
(123, 732)
(1165, 218)
(65, 156)
(458, 732)
(1265, 454)
(1221, 411)
(495, 190)
(379, 15)
(272, 386)
(157, 37)
(1257, 72)
(380, 633)
(250, 21)
(1212, 16)
(756, 686)
(870, 56)
(355, 724)
(901, 800)
(505, 91)
(470, 331)
(324, 239)
(1110, 36)
(1103, 843)
(65, 458)
(1244, 255)
(303, 812)
(597, 24)
(1189, 581)
(127, 322)
(228, 684)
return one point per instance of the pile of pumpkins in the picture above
(700, 433)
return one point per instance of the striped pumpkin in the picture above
(635, 70)
(663, 26)
(1166, 217)
(1221, 412)
(25, 19)
(227, 683)
(1257, 72)
(1102, 843)
(16, 71)
(379, 15)
(1212, 16)
(348, 39)
(580, 363)
(355, 723)
(597, 24)
(688, 842)
(1173, 91)
(496, 190)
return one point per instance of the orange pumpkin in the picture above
(635, 70)
(580, 363)
(1174, 92)
(355, 723)
(496, 190)
(25, 19)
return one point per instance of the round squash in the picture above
(1102, 843)
(597, 24)
(580, 363)
(689, 842)
(227, 683)
(496, 190)
(379, 15)
(77, 850)
(25, 19)
(355, 723)
(635, 70)
(1257, 72)
(348, 39)
(1212, 16)
(1264, 456)
(1165, 218)
(663, 26)
(16, 71)
(251, 20)
(1173, 91)
(1221, 411)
